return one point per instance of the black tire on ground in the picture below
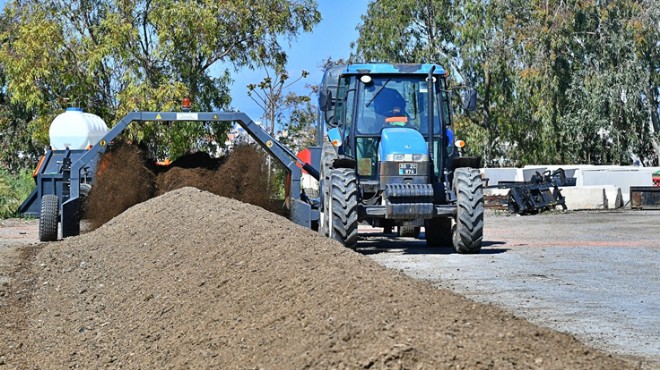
(468, 233)
(48, 218)
(327, 156)
(84, 194)
(409, 231)
(343, 224)
(438, 232)
(84, 190)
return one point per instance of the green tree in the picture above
(284, 108)
(300, 126)
(271, 94)
(558, 81)
(112, 57)
(406, 31)
(16, 149)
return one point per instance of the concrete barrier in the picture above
(496, 192)
(583, 198)
(580, 197)
(622, 177)
(495, 175)
(592, 197)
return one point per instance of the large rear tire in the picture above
(438, 232)
(343, 223)
(468, 233)
(48, 218)
(328, 155)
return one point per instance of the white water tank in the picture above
(75, 129)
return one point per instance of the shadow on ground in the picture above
(375, 243)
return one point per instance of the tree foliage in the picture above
(272, 94)
(112, 57)
(558, 81)
(15, 139)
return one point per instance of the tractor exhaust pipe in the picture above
(429, 88)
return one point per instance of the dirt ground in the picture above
(592, 274)
(193, 280)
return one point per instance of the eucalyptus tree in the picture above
(558, 81)
(112, 57)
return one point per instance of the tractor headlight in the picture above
(399, 157)
(418, 157)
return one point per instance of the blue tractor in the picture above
(388, 157)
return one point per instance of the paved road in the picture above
(593, 274)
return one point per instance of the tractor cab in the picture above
(382, 115)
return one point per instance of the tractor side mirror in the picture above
(330, 119)
(325, 100)
(470, 100)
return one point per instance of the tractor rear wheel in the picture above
(468, 233)
(409, 231)
(328, 155)
(438, 232)
(48, 218)
(343, 222)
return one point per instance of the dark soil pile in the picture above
(193, 280)
(126, 177)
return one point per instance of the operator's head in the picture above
(390, 103)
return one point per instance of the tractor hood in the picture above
(402, 144)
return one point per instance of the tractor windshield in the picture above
(392, 102)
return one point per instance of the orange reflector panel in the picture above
(403, 119)
(36, 170)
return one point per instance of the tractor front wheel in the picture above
(343, 202)
(48, 218)
(468, 233)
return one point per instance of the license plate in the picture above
(407, 168)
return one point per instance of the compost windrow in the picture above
(190, 279)
(126, 176)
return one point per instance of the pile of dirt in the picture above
(198, 160)
(126, 177)
(193, 280)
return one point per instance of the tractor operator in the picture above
(390, 110)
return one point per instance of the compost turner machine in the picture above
(64, 177)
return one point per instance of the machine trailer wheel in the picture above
(469, 210)
(409, 231)
(84, 194)
(343, 222)
(48, 218)
(438, 232)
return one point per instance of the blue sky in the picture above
(330, 38)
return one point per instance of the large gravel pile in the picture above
(193, 280)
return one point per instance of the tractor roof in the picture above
(386, 68)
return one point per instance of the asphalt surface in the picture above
(595, 275)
